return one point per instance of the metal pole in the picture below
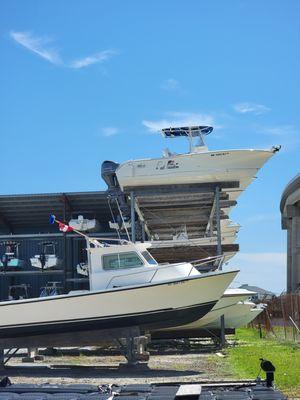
(222, 320)
(132, 217)
(2, 359)
(143, 231)
(65, 250)
(218, 222)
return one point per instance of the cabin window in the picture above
(148, 257)
(122, 261)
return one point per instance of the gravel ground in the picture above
(91, 369)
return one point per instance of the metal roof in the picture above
(30, 212)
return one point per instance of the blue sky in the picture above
(86, 81)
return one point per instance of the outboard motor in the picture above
(108, 173)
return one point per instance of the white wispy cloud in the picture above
(109, 131)
(179, 119)
(93, 59)
(246, 108)
(278, 130)
(170, 85)
(38, 45)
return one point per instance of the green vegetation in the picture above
(244, 359)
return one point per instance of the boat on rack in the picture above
(199, 165)
(10, 259)
(84, 222)
(47, 258)
(127, 288)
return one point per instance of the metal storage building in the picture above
(25, 219)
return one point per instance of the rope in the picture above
(114, 220)
(121, 214)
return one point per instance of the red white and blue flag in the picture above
(64, 227)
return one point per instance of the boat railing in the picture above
(130, 274)
(150, 280)
(216, 260)
(103, 241)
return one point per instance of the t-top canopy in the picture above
(187, 131)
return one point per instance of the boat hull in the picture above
(51, 262)
(212, 166)
(151, 306)
(223, 306)
(236, 316)
(15, 263)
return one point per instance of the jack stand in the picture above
(135, 351)
(2, 359)
(222, 337)
(32, 355)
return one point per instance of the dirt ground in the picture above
(96, 369)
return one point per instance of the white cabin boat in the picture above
(127, 288)
(198, 166)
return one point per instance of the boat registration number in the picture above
(219, 154)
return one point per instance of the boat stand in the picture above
(135, 351)
(132, 344)
(32, 355)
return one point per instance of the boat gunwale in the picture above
(194, 154)
(118, 289)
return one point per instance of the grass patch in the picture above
(244, 359)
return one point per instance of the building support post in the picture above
(289, 260)
(218, 222)
(295, 239)
(132, 216)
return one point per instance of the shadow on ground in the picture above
(105, 371)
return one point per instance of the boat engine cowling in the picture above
(108, 174)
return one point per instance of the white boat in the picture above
(10, 259)
(198, 166)
(237, 315)
(227, 302)
(84, 224)
(47, 259)
(127, 288)
(82, 269)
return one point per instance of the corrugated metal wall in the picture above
(75, 253)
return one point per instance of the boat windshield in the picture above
(148, 257)
(122, 261)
